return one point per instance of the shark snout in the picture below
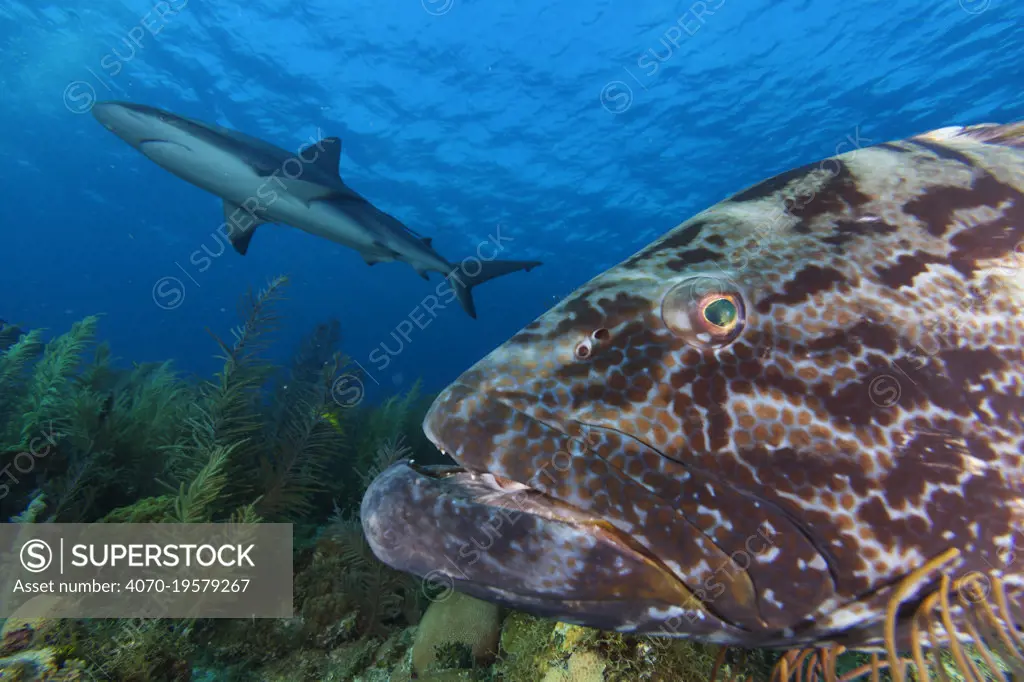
(118, 118)
(109, 112)
(131, 122)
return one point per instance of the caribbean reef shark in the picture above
(261, 183)
(790, 439)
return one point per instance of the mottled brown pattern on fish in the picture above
(870, 414)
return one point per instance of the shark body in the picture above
(261, 183)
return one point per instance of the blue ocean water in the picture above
(581, 131)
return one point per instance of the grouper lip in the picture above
(491, 490)
(503, 542)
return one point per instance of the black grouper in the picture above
(794, 421)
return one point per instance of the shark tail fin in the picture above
(474, 272)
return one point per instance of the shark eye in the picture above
(583, 350)
(706, 312)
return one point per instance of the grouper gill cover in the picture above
(756, 428)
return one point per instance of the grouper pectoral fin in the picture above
(241, 225)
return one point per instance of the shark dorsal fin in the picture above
(329, 155)
(428, 241)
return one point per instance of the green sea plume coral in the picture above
(244, 455)
(303, 443)
(85, 433)
(172, 451)
(255, 443)
(34, 401)
(278, 447)
(38, 398)
(227, 411)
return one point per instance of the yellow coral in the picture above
(30, 665)
(583, 666)
(573, 635)
(34, 628)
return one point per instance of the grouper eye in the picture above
(704, 311)
(721, 313)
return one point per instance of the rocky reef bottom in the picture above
(458, 638)
(462, 638)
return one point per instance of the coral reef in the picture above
(537, 649)
(86, 439)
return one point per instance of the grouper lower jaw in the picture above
(510, 545)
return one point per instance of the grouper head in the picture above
(791, 410)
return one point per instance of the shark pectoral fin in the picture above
(423, 274)
(380, 253)
(241, 226)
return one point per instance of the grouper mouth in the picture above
(474, 529)
(500, 540)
